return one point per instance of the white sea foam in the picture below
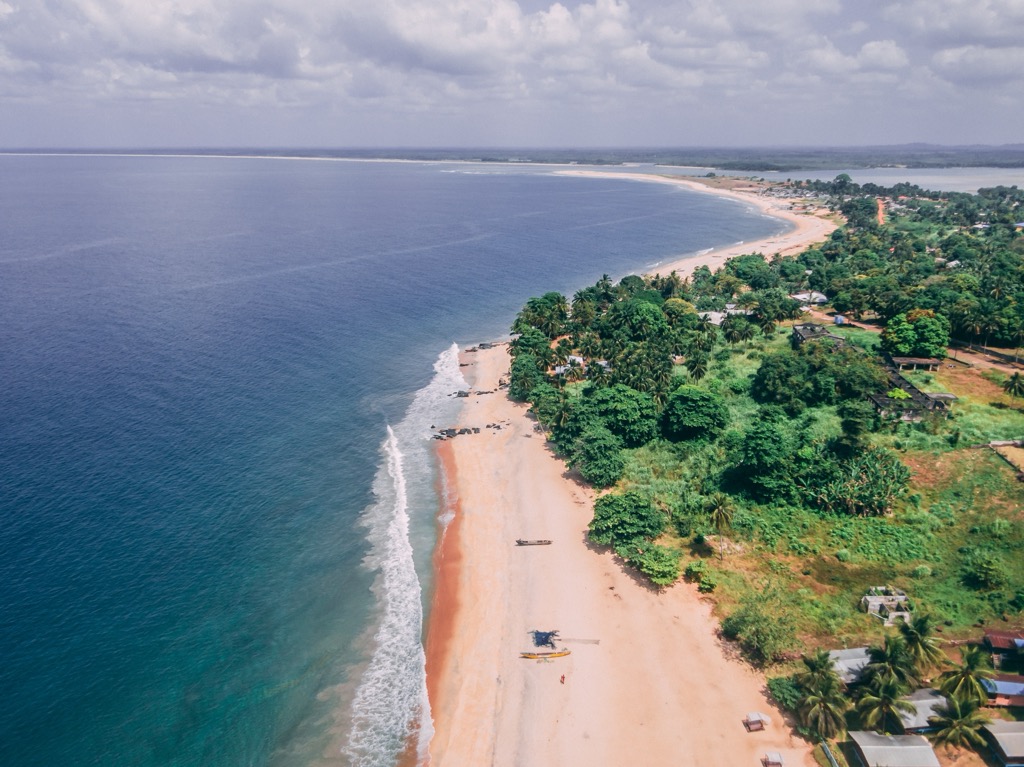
(391, 700)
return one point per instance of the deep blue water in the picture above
(199, 361)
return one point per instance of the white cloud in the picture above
(472, 58)
(882, 54)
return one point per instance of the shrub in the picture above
(708, 583)
(622, 519)
(786, 691)
(983, 570)
(694, 570)
(658, 563)
(764, 636)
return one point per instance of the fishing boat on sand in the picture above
(538, 542)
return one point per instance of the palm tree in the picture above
(563, 410)
(892, 662)
(882, 705)
(721, 509)
(575, 371)
(818, 669)
(605, 290)
(1014, 385)
(919, 635)
(697, 367)
(964, 681)
(731, 329)
(822, 707)
(562, 351)
(958, 723)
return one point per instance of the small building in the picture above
(1007, 742)
(916, 363)
(945, 399)
(925, 700)
(886, 603)
(812, 331)
(874, 750)
(849, 664)
(1004, 642)
(1005, 690)
(896, 409)
(811, 297)
(572, 361)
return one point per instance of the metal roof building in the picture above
(849, 664)
(1007, 741)
(876, 750)
(1004, 690)
(925, 701)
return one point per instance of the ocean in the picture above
(217, 494)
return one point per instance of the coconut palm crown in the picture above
(964, 681)
(958, 723)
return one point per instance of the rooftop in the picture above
(894, 750)
(849, 663)
(1004, 684)
(925, 701)
(1004, 640)
(1009, 738)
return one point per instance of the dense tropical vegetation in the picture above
(761, 465)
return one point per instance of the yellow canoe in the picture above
(543, 655)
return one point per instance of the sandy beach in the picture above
(648, 681)
(808, 227)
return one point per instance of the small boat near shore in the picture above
(538, 542)
(544, 655)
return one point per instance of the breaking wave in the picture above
(391, 703)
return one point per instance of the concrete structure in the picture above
(812, 331)
(874, 750)
(1007, 742)
(925, 701)
(810, 297)
(916, 363)
(886, 603)
(849, 664)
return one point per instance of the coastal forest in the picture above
(791, 433)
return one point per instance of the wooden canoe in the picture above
(522, 542)
(543, 655)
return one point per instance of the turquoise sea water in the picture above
(217, 502)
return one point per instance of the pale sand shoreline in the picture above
(807, 228)
(659, 688)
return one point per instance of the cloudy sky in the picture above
(346, 73)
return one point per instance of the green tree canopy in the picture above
(918, 333)
(692, 412)
(597, 456)
(958, 723)
(882, 703)
(623, 519)
(630, 414)
(963, 681)
(822, 708)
